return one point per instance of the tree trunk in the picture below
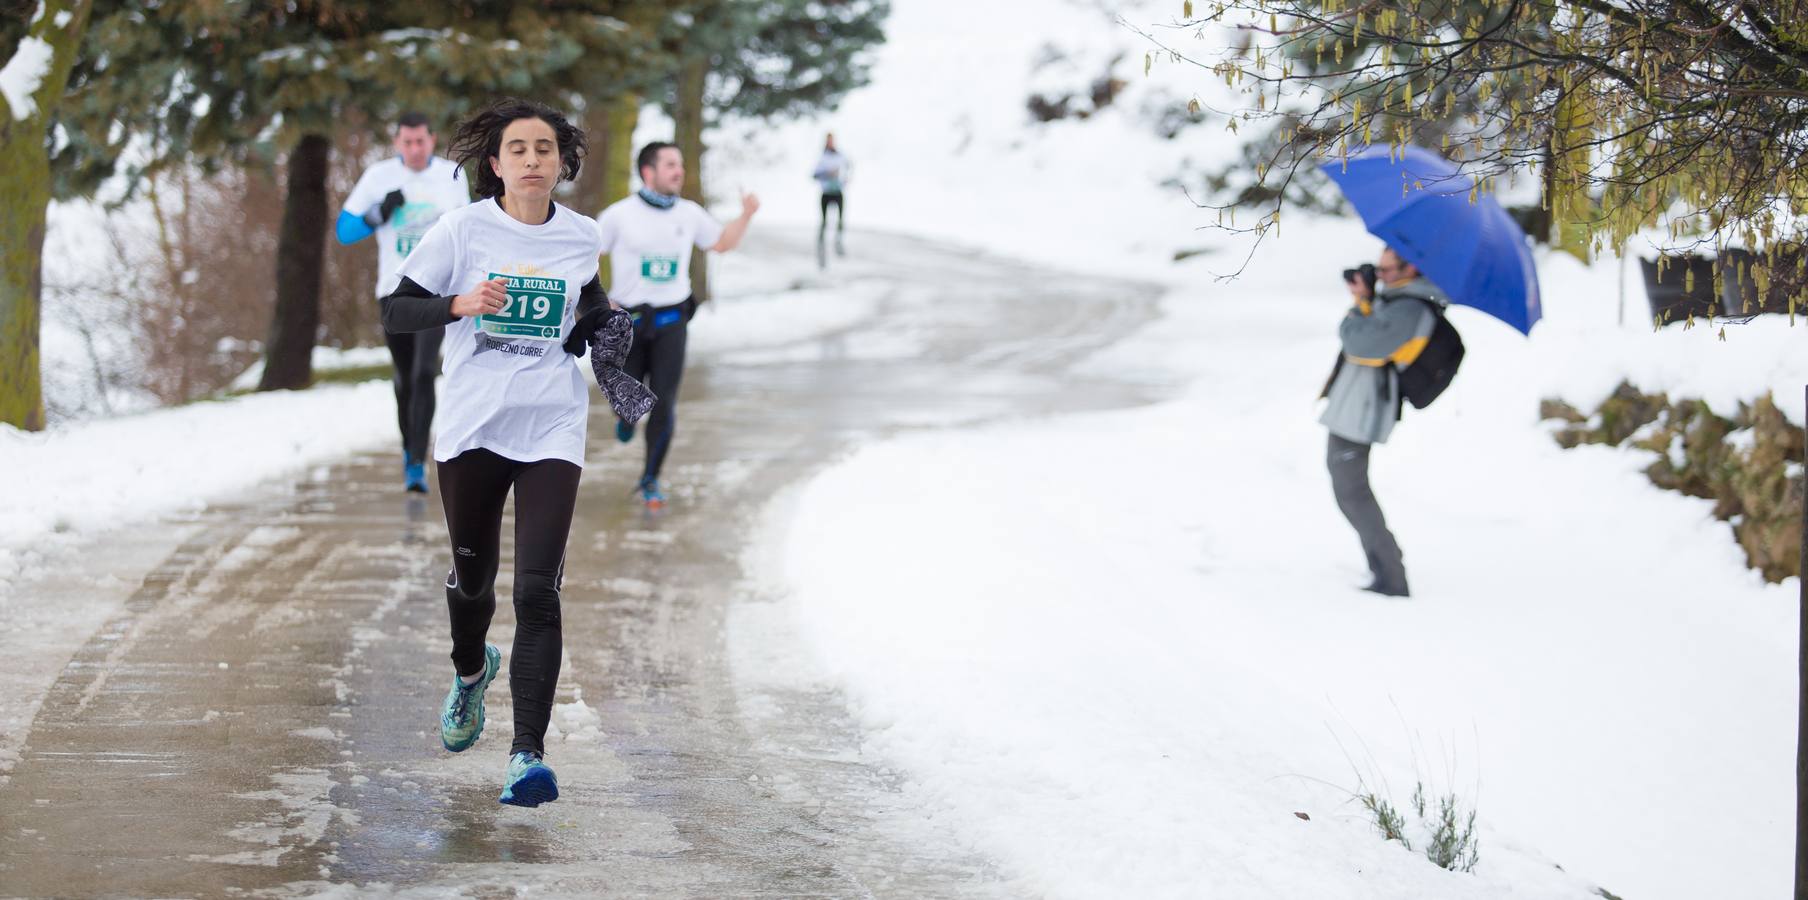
(618, 148)
(1542, 223)
(24, 204)
(24, 196)
(688, 134)
(300, 258)
(604, 179)
(617, 145)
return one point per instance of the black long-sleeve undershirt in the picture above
(411, 307)
(591, 295)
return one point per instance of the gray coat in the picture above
(1364, 400)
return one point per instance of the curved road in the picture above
(259, 716)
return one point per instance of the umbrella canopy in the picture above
(1419, 203)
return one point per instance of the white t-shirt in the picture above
(427, 195)
(650, 249)
(512, 390)
(831, 171)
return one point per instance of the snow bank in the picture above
(939, 152)
(1124, 648)
(756, 312)
(78, 481)
(324, 359)
(1121, 650)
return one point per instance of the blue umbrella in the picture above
(1418, 202)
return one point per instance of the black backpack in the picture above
(1433, 370)
(1428, 376)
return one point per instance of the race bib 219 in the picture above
(535, 309)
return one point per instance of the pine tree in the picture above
(210, 83)
(610, 99)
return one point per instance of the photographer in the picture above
(1384, 331)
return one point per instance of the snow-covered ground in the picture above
(323, 361)
(1123, 649)
(73, 483)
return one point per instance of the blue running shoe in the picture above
(461, 720)
(414, 477)
(624, 430)
(651, 495)
(530, 781)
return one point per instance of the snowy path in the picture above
(259, 716)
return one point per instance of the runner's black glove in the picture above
(379, 214)
(587, 324)
(391, 202)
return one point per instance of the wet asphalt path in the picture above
(260, 717)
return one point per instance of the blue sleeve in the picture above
(351, 229)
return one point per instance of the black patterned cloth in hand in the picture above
(609, 345)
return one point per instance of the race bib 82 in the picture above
(658, 268)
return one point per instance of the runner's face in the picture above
(414, 144)
(529, 161)
(667, 171)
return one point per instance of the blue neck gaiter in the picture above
(656, 199)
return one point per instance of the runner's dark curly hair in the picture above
(479, 138)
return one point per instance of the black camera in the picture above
(1364, 273)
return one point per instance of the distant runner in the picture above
(649, 237)
(516, 407)
(831, 174)
(398, 199)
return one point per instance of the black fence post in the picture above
(1801, 715)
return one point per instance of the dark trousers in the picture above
(840, 203)
(1349, 465)
(474, 486)
(830, 199)
(416, 358)
(657, 360)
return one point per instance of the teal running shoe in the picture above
(461, 721)
(414, 477)
(530, 781)
(651, 495)
(624, 430)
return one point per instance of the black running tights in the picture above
(474, 486)
(657, 359)
(416, 357)
(840, 205)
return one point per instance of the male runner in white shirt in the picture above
(649, 237)
(398, 199)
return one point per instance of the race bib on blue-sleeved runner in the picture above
(411, 223)
(535, 309)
